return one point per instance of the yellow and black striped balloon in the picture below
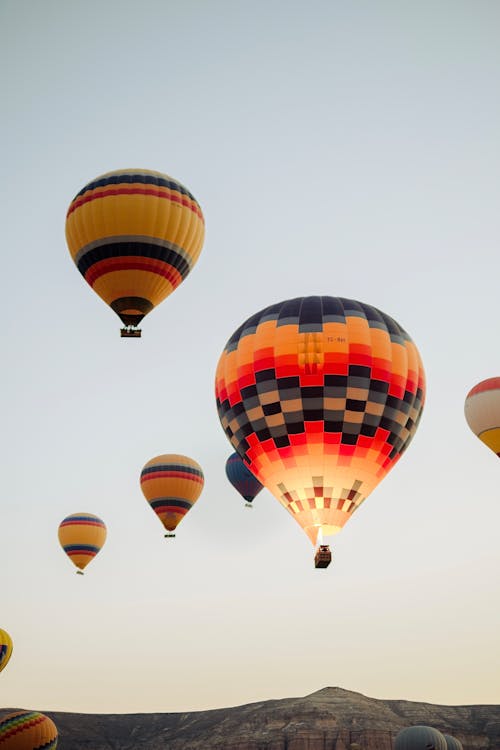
(171, 483)
(134, 235)
(81, 535)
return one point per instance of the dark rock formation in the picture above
(330, 719)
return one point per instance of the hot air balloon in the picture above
(482, 412)
(5, 648)
(81, 536)
(452, 743)
(320, 396)
(27, 730)
(419, 738)
(242, 479)
(134, 235)
(171, 483)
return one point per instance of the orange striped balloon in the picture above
(81, 536)
(171, 483)
(134, 235)
(27, 730)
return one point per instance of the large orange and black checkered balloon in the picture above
(320, 396)
(134, 235)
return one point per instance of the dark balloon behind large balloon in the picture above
(242, 478)
(134, 235)
(320, 396)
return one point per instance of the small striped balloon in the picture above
(171, 483)
(27, 730)
(81, 536)
(5, 648)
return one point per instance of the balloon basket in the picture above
(323, 556)
(79, 572)
(169, 536)
(248, 505)
(130, 333)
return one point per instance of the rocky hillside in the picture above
(330, 719)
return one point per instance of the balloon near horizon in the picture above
(421, 737)
(134, 235)
(27, 730)
(320, 397)
(171, 483)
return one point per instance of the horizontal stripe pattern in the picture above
(78, 520)
(80, 549)
(171, 502)
(118, 181)
(171, 196)
(134, 252)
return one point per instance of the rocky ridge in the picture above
(329, 719)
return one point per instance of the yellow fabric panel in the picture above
(491, 438)
(94, 535)
(129, 215)
(151, 286)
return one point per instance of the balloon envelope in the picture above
(5, 648)
(320, 396)
(81, 536)
(482, 412)
(420, 738)
(452, 743)
(242, 478)
(134, 235)
(27, 730)
(171, 483)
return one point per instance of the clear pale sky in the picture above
(342, 148)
